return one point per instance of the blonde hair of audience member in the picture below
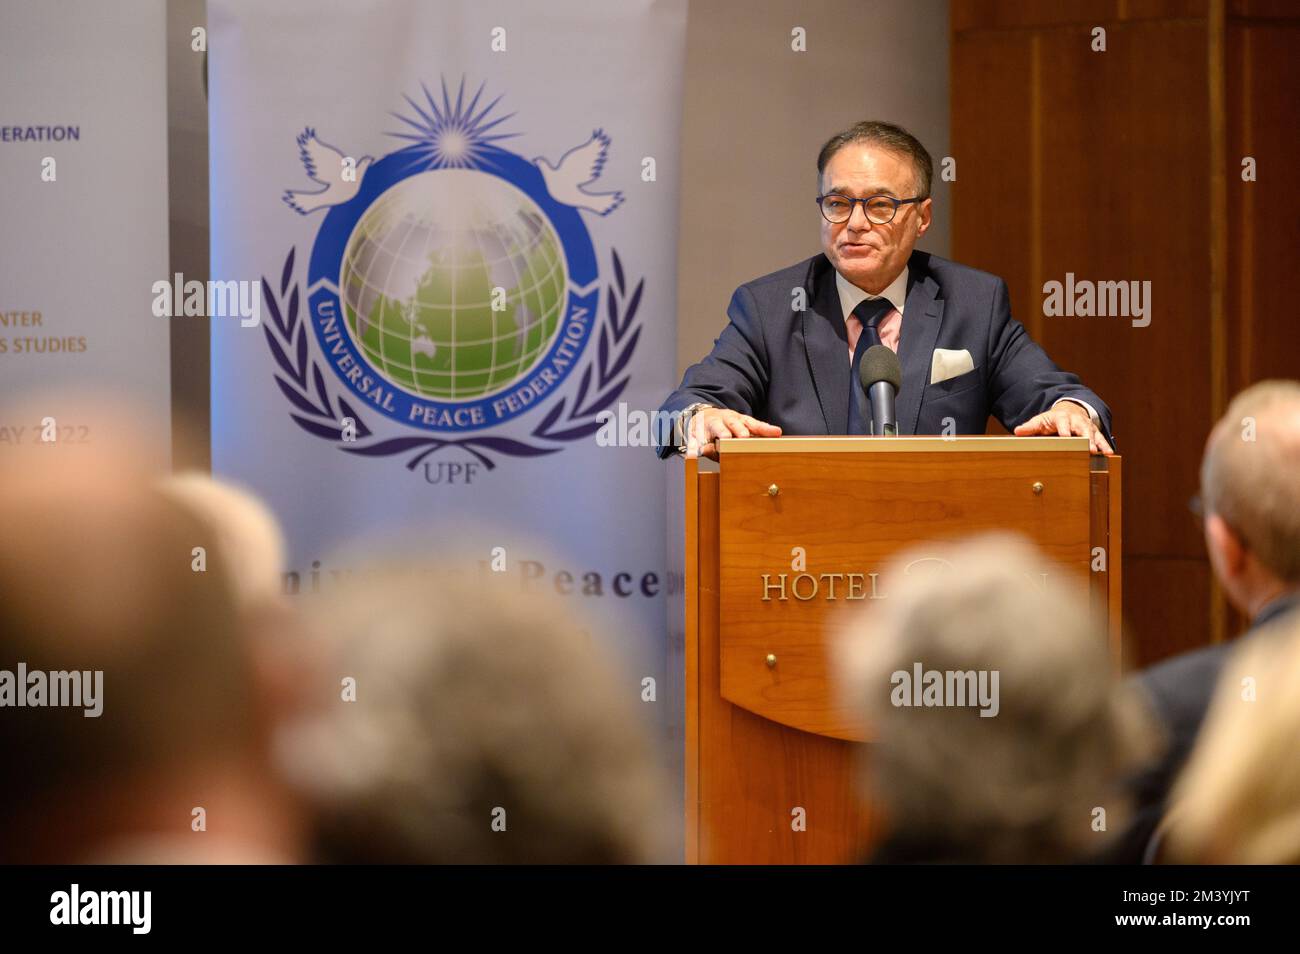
(474, 704)
(1238, 800)
(250, 546)
(1250, 484)
(247, 534)
(1023, 785)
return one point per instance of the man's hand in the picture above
(1066, 419)
(710, 423)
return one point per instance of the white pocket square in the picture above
(948, 364)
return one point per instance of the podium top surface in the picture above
(927, 443)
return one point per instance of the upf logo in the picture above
(453, 289)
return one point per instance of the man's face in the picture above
(870, 255)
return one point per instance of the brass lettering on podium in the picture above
(808, 586)
(805, 587)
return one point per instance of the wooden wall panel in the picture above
(1125, 178)
(1263, 323)
(1165, 600)
(1047, 188)
(1126, 165)
(1020, 14)
(1096, 164)
(994, 102)
(1264, 9)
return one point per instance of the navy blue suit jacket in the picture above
(1179, 691)
(791, 367)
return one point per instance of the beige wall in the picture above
(756, 114)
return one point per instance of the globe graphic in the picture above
(424, 267)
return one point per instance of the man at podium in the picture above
(791, 359)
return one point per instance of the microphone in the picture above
(881, 376)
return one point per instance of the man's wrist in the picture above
(684, 423)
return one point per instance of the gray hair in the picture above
(473, 699)
(1250, 475)
(886, 136)
(1022, 786)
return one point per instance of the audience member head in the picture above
(487, 727)
(1238, 800)
(251, 549)
(1046, 732)
(247, 534)
(1250, 491)
(98, 577)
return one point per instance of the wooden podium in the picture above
(773, 544)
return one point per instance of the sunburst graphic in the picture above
(452, 135)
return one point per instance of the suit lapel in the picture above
(922, 315)
(826, 342)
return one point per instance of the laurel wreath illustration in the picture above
(322, 414)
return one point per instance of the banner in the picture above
(83, 221)
(445, 239)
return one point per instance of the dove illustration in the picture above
(324, 165)
(579, 167)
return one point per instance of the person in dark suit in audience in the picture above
(1250, 501)
(788, 361)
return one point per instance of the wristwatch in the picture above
(684, 424)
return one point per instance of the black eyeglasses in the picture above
(879, 209)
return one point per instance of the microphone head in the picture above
(880, 364)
